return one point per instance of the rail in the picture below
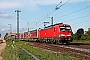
(29, 53)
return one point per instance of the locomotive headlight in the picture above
(69, 35)
(61, 35)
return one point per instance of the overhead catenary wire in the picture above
(63, 16)
(73, 12)
(80, 17)
(70, 14)
(59, 6)
(46, 14)
(53, 10)
(77, 18)
(80, 22)
(73, 6)
(62, 4)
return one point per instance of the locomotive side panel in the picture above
(56, 31)
(46, 33)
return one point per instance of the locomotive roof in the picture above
(55, 25)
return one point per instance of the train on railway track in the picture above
(57, 33)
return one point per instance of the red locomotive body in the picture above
(57, 33)
(46, 33)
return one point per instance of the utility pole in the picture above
(52, 21)
(17, 22)
(28, 30)
(10, 28)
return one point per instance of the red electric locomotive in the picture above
(57, 33)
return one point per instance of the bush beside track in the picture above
(81, 41)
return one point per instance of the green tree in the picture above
(83, 37)
(74, 36)
(88, 34)
(79, 33)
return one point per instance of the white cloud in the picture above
(4, 5)
(50, 2)
(30, 3)
(4, 15)
(2, 29)
(44, 2)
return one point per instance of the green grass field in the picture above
(12, 52)
(47, 55)
(81, 41)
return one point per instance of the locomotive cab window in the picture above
(65, 28)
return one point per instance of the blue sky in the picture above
(75, 12)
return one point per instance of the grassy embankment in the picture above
(47, 55)
(14, 53)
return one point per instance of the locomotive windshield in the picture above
(65, 28)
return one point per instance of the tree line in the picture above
(81, 34)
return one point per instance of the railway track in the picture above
(81, 50)
(29, 53)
